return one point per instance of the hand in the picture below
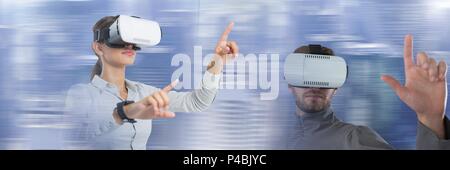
(425, 89)
(153, 106)
(225, 51)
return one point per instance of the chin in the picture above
(128, 61)
(127, 64)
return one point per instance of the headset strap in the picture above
(101, 35)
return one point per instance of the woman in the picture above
(101, 112)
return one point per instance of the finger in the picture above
(433, 70)
(421, 58)
(165, 99)
(395, 85)
(442, 69)
(425, 65)
(424, 61)
(225, 49)
(407, 51)
(234, 48)
(158, 99)
(167, 114)
(227, 31)
(153, 104)
(170, 86)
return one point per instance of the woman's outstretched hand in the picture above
(225, 51)
(150, 107)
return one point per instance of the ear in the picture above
(97, 47)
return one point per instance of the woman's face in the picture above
(116, 56)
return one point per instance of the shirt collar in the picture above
(318, 115)
(132, 85)
(98, 82)
(312, 122)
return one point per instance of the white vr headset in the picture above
(315, 70)
(130, 30)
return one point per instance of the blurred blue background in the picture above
(45, 48)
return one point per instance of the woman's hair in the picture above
(102, 23)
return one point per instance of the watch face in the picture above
(128, 102)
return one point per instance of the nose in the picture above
(314, 89)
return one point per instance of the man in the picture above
(425, 91)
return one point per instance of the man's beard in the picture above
(313, 106)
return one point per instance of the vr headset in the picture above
(128, 30)
(315, 70)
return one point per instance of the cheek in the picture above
(114, 55)
(298, 91)
(330, 95)
(299, 96)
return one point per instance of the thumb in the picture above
(167, 114)
(395, 85)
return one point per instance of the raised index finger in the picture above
(407, 51)
(227, 31)
(170, 86)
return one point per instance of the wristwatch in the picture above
(121, 111)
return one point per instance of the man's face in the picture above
(312, 100)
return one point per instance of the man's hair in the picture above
(305, 49)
